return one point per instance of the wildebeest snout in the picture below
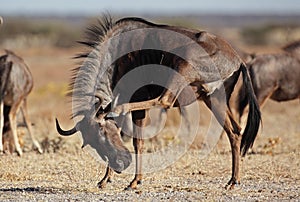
(122, 161)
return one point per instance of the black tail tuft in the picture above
(254, 116)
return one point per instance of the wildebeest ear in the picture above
(201, 36)
(3, 58)
(97, 106)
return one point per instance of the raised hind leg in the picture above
(232, 129)
(138, 143)
(166, 101)
(107, 177)
(28, 125)
(1, 124)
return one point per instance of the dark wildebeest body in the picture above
(18, 85)
(275, 76)
(207, 64)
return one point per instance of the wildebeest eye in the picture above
(97, 99)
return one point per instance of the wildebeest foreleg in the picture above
(138, 143)
(28, 124)
(231, 127)
(107, 178)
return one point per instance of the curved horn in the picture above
(65, 133)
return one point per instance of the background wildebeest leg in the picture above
(231, 127)
(1, 124)
(13, 124)
(107, 178)
(262, 96)
(28, 125)
(140, 119)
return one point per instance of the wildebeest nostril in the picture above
(120, 164)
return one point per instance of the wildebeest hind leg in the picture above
(133, 106)
(235, 142)
(232, 129)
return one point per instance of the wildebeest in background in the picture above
(16, 84)
(5, 69)
(274, 76)
(204, 77)
(293, 48)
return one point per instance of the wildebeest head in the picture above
(104, 136)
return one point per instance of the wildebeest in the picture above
(16, 84)
(273, 76)
(293, 48)
(211, 73)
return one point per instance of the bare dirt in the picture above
(65, 172)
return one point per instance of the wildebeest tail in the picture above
(254, 116)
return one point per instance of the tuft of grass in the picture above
(53, 88)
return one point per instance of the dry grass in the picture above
(65, 172)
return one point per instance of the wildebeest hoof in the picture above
(232, 184)
(101, 185)
(112, 115)
(133, 185)
(129, 188)
(39, 149)
(19, 152)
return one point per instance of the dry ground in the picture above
(65, 172)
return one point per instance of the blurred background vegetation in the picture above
(63, 32)
(19, 32)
